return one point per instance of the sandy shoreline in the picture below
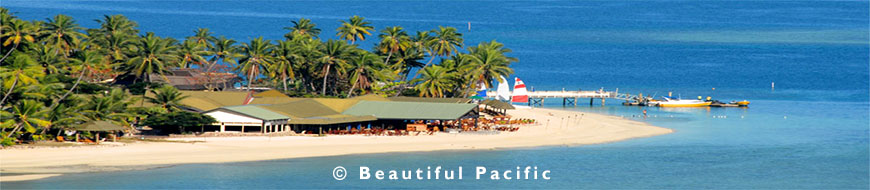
(48, 162)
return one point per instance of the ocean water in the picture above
(810, 131)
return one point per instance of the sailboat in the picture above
(520, 94)
(504, 92)
(481, 90)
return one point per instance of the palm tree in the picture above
(117, 36)
(114, 25)
(23, 70)
(224, 50)
(62, 33)
(191, 52)
(168, 97)
(408, 59)
(333, 53)
(302, 28)
(48, 57)
(257, 58)
(202, 37)
(444, 43)
(15, 32)
(286, 55)
(459, 63)
(310, 52)
(116, 48)
(354, 29)
(393, 39)
(87, 62)
(447, 40)
(488, 62)
(154, 55)
(26, 115)
(436, 82)
(66, 114)
(111, 106)
(366, 69)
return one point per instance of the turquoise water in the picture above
(811, 131)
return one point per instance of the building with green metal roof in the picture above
(272, 112)
(411, 110)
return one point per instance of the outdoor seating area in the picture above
(430, 127)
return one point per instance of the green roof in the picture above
(338, 105)
(410, 110)
(209, 100)
(256, 111)
(332, 119)
(421, 99)
(271, 93)
(98, 126)
(302, 109)
(498, 104)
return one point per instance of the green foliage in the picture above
(7, 141)
(139, 88)
(56, 74)
(167, 97)
(175, 122)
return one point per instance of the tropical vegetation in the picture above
(57, 75)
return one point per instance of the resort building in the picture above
(255, 118)
(272, 111)
(190, 79)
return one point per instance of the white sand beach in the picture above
(49, 162)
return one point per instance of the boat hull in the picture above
(680, 104)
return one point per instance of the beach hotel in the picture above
(272, 111)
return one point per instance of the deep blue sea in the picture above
(812, 131)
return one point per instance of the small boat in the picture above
(717, 103)
(676, 102)
(520, 94)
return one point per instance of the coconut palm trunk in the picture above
(15, 129)
(15, 82)
(421, 68)
(251, 77)
(9, 53)
(350, 92)
(285, 81)
(386, 61)
(323, 91)
(57, 102)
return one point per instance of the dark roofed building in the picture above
(189, 79)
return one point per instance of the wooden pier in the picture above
(536, 98)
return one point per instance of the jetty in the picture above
(536, 98)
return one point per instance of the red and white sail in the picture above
(520, 95)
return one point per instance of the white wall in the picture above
(224, 117)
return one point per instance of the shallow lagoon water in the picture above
(811, 131)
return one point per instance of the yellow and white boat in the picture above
(675, 102)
